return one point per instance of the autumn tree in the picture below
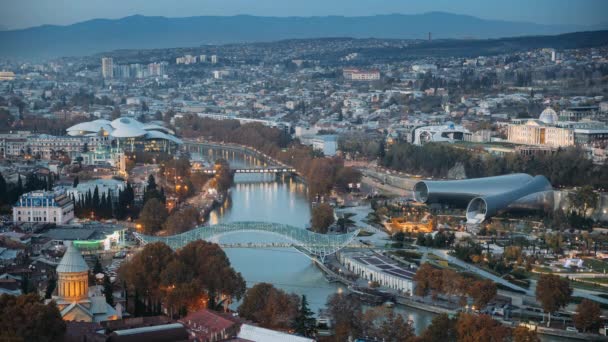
(423, 277)
(181, 220)
(270, 307)
(26, 318)
(383, 324)
(587, 316)
(523, 334)
(442, 328)
(202, 276)
(474, 328)
(305, 323)
(553, 292)
(322, 218)
(482, 292)
(346, 314)
(153, 216)
(142, 274)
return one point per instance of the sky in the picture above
(15, 14)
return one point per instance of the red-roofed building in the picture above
(210, 326)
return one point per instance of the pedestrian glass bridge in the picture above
(310, 243)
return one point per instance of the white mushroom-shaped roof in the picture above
(548, 116)
(90, 127)
(124, 127)
(127, 128)
(72, 261)
(161, 135)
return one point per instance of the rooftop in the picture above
(72, 261)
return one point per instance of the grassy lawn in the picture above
(596, 265)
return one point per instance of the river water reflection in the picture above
(263, 198)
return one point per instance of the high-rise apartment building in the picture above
(107, 67)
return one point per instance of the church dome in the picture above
(548, 116)
(72, 261)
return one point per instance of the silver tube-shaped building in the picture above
(488, 196)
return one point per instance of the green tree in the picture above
(97, 268)
(304, 323)
(584, 199)
(108, 290)
(76, 181)
(153, 216)
(553, 292)
(322, 218)
(587, 316)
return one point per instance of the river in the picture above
(265, 198)
(262, 198)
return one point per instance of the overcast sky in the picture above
(27, 13)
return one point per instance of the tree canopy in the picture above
(26, 318)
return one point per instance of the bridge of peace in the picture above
(265, 163)
(314, 245)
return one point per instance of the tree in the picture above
(269, 306)
(26, 318)
(153, 216)
(108, 290)
(473, 328)
(76, 181)
(182, 220)
(346, 314)
(322, 218)
(483, 291)
(587, 316)
(151, 183)
(304, 323)
(142, 273)
(3, 190)
(553, 292)
(442, 328)
(383, 324)
(97, 268)
(523, 334)
(201, 276)
(583, 199)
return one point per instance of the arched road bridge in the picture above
(312, 244)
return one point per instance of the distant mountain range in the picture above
(141, 32)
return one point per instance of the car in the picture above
(571, 329)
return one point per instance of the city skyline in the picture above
(31, 13)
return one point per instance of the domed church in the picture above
(75, 299)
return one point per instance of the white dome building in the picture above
(548, 116)
(130, 134)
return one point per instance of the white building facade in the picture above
(43, 206)
(377, 268)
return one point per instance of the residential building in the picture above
(582, 112)
(328, 144)
(44, 206)
(210, 326)
(353, 74)
(107, 67)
